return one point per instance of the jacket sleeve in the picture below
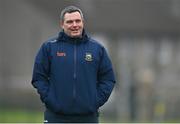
(106, 79)
(40, 78)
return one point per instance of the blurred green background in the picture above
(20, 116)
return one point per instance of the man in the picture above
(72, 73)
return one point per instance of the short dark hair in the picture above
(70, 9)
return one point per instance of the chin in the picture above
(78, 35)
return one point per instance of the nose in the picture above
(74, 23)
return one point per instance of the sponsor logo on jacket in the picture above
(61, 54)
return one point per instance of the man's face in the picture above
(73, 24)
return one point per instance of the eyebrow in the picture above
(73, 20)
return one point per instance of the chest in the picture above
(84, 55)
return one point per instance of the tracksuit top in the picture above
(73, 75)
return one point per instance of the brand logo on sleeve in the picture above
(88, 57)
(61, 54)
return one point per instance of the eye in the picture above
(69, 21)
(78, 21)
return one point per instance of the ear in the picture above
(61, 24)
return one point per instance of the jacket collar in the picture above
(63, 37)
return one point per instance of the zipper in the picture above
(75, 73)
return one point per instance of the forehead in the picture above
(72, 16)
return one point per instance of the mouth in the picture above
(75, 30)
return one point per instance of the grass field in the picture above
(31, 116)
(24, 116)
(20, 116)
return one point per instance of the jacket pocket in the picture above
(51, 102)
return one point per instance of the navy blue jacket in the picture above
(73, 75)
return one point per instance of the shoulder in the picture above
(46, 45)
(98, 46)
(95, 43)
(49, 42)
